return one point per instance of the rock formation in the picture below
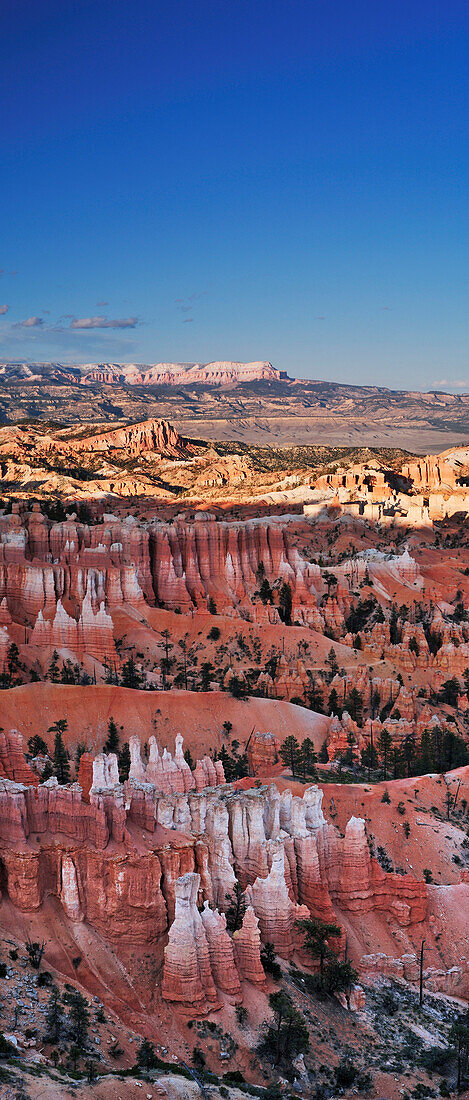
(187, 974)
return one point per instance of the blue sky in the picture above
(238, 179)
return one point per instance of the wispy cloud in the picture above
(3, 310)
(103, 322)
(186, 305)
(31, 322)
(100, 305)
(455, 384)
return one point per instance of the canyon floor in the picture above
(234, 696)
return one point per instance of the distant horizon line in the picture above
(115, 365)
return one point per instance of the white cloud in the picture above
(31, 322)
(3, 310)
(103, 322)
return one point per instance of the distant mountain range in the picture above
(144, 374)
(252, 403)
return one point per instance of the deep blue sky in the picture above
(238, 179)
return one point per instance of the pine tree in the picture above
(285, 603)
(79, 751)
(384, 747)
(60, 759)
(124, 762)
(334, 705)
(13, 655)
(308, 758)
(130, 676)
(331, 660)
(317, 934)
(78, 1017)
(236, 909)
(287, 1034)
(206, 671)
(146, 1057)
(112, 741)
(37, 746)
(290, 753)
(354, 705)
(54, 1017)
(53, 673)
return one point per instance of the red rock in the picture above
(12, 760)
(187, 975)
(221, 952)
(247, 945)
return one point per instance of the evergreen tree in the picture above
(206, 671)
(354, 705)
(339, 976)
(314, 697)
(13, 655)
(37, 746)
(285, 603)
(54, 1017)
(308, 758)
(53, 673)
(369, 756)
(78, 1017)
(287, 1034)
(384, 747)
(130, 675)
(146, 1057)
(334, 705)
(408, 752)
(79, 751)
(188, 759)
(290, 753)
(317, 934)
(394, 632)
(124, 762)
(331, 660)
(426, 757)
(60, 758)
(450, 691)
(458, 1039)
(265, 591)
(111, 743)
(236, 908)
(269, 962)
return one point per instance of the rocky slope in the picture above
(254, 403)
(345, 627)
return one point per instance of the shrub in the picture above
(44, 979)
(269, 962)
(6, 1048)
(345, 1073)
(35, 952)
(386, 797)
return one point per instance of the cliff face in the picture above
(177, 374)
(280, 847)
(155, 869)
(191, 562)
(135, 439)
